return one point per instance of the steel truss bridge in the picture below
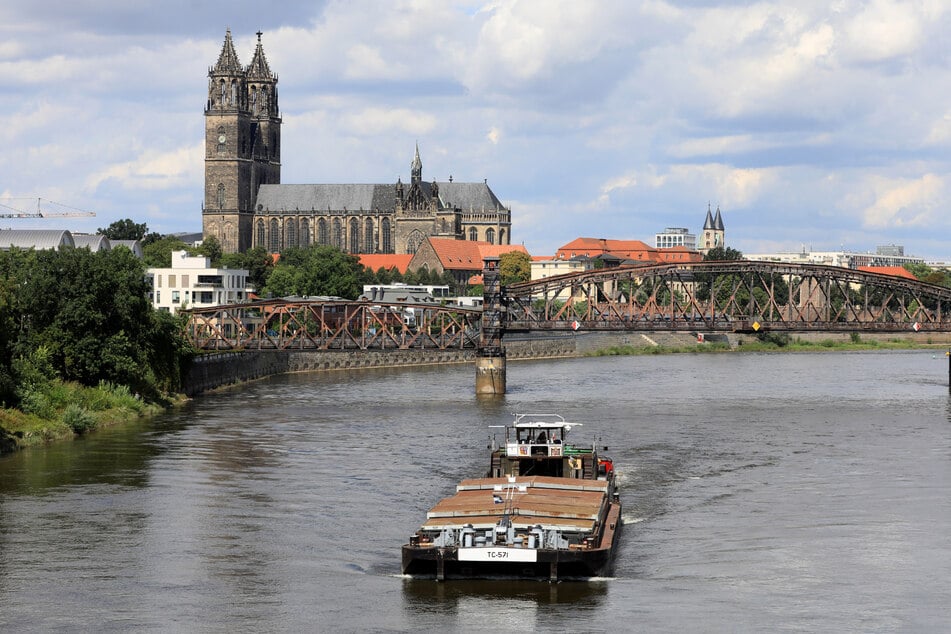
(733, 296)
(332, 324)
(712, 297)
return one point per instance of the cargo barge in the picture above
(547, 509)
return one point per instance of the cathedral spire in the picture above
(416, 169)
(259, 69)
(228, 60)
(718, 221)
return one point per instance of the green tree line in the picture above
(82, 318)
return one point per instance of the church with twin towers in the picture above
(246, 205)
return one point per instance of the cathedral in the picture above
(246, 205)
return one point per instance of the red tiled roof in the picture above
(629, 249)
(896, 271)
(467, 255)
(376, 261)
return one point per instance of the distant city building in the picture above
(626, 251)
(543, 268)
(890, 250)
(39, 239)
(246, 205)
(56, 239)
(842, 259)
(92, 242)
(191, 282)
(675, 237)
(461, 258)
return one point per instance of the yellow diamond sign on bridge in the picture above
(756, 326)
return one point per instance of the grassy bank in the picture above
(772, 342)
(63, 410)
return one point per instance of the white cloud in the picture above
(371, 122)
(151, 170)
(906, 202)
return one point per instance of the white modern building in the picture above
(191, 282)
(675, 237)
(884, 256)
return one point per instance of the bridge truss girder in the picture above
(332, 325)
(727, 296)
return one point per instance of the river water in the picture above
(762, 492)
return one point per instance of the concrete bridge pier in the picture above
(490, 374)
(490, 359)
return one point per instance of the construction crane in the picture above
(41, 212)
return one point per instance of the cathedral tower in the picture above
(242, 144)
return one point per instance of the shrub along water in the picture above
(80, 344)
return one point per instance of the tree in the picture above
(257, 261)
(720, 254)
(158, 254)
(92, 314)
(125, 230)
(514, 266)
(317, 270)
(211, 249)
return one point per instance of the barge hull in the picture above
(553, 565)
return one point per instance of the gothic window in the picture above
(387, 235)
(291, 229)
(234, 93)
(304, 232)
(337, 234)
(265, 106)
(490, 236)
(221, 196)
(473, 234)
(355, 236)
(368, 241)
(260, 242)
(254, 100)
(322, 237)
(415, 239)
(223, 93)
(502, 236)
(274, 243)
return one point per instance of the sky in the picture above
(823, 125)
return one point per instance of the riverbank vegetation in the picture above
(80, 344)
(772, 342)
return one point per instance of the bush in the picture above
(778, 339)
(36, 402)
(78, 419)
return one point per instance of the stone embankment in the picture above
(227, 368)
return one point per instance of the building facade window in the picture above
(490, 236)
(323, 237)
(369, 243)
(337, 238)
(304, 232)
(387, 235)
(274, 242)
(354, 245)
(221, 196)
(291, 230)
(473, 234)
